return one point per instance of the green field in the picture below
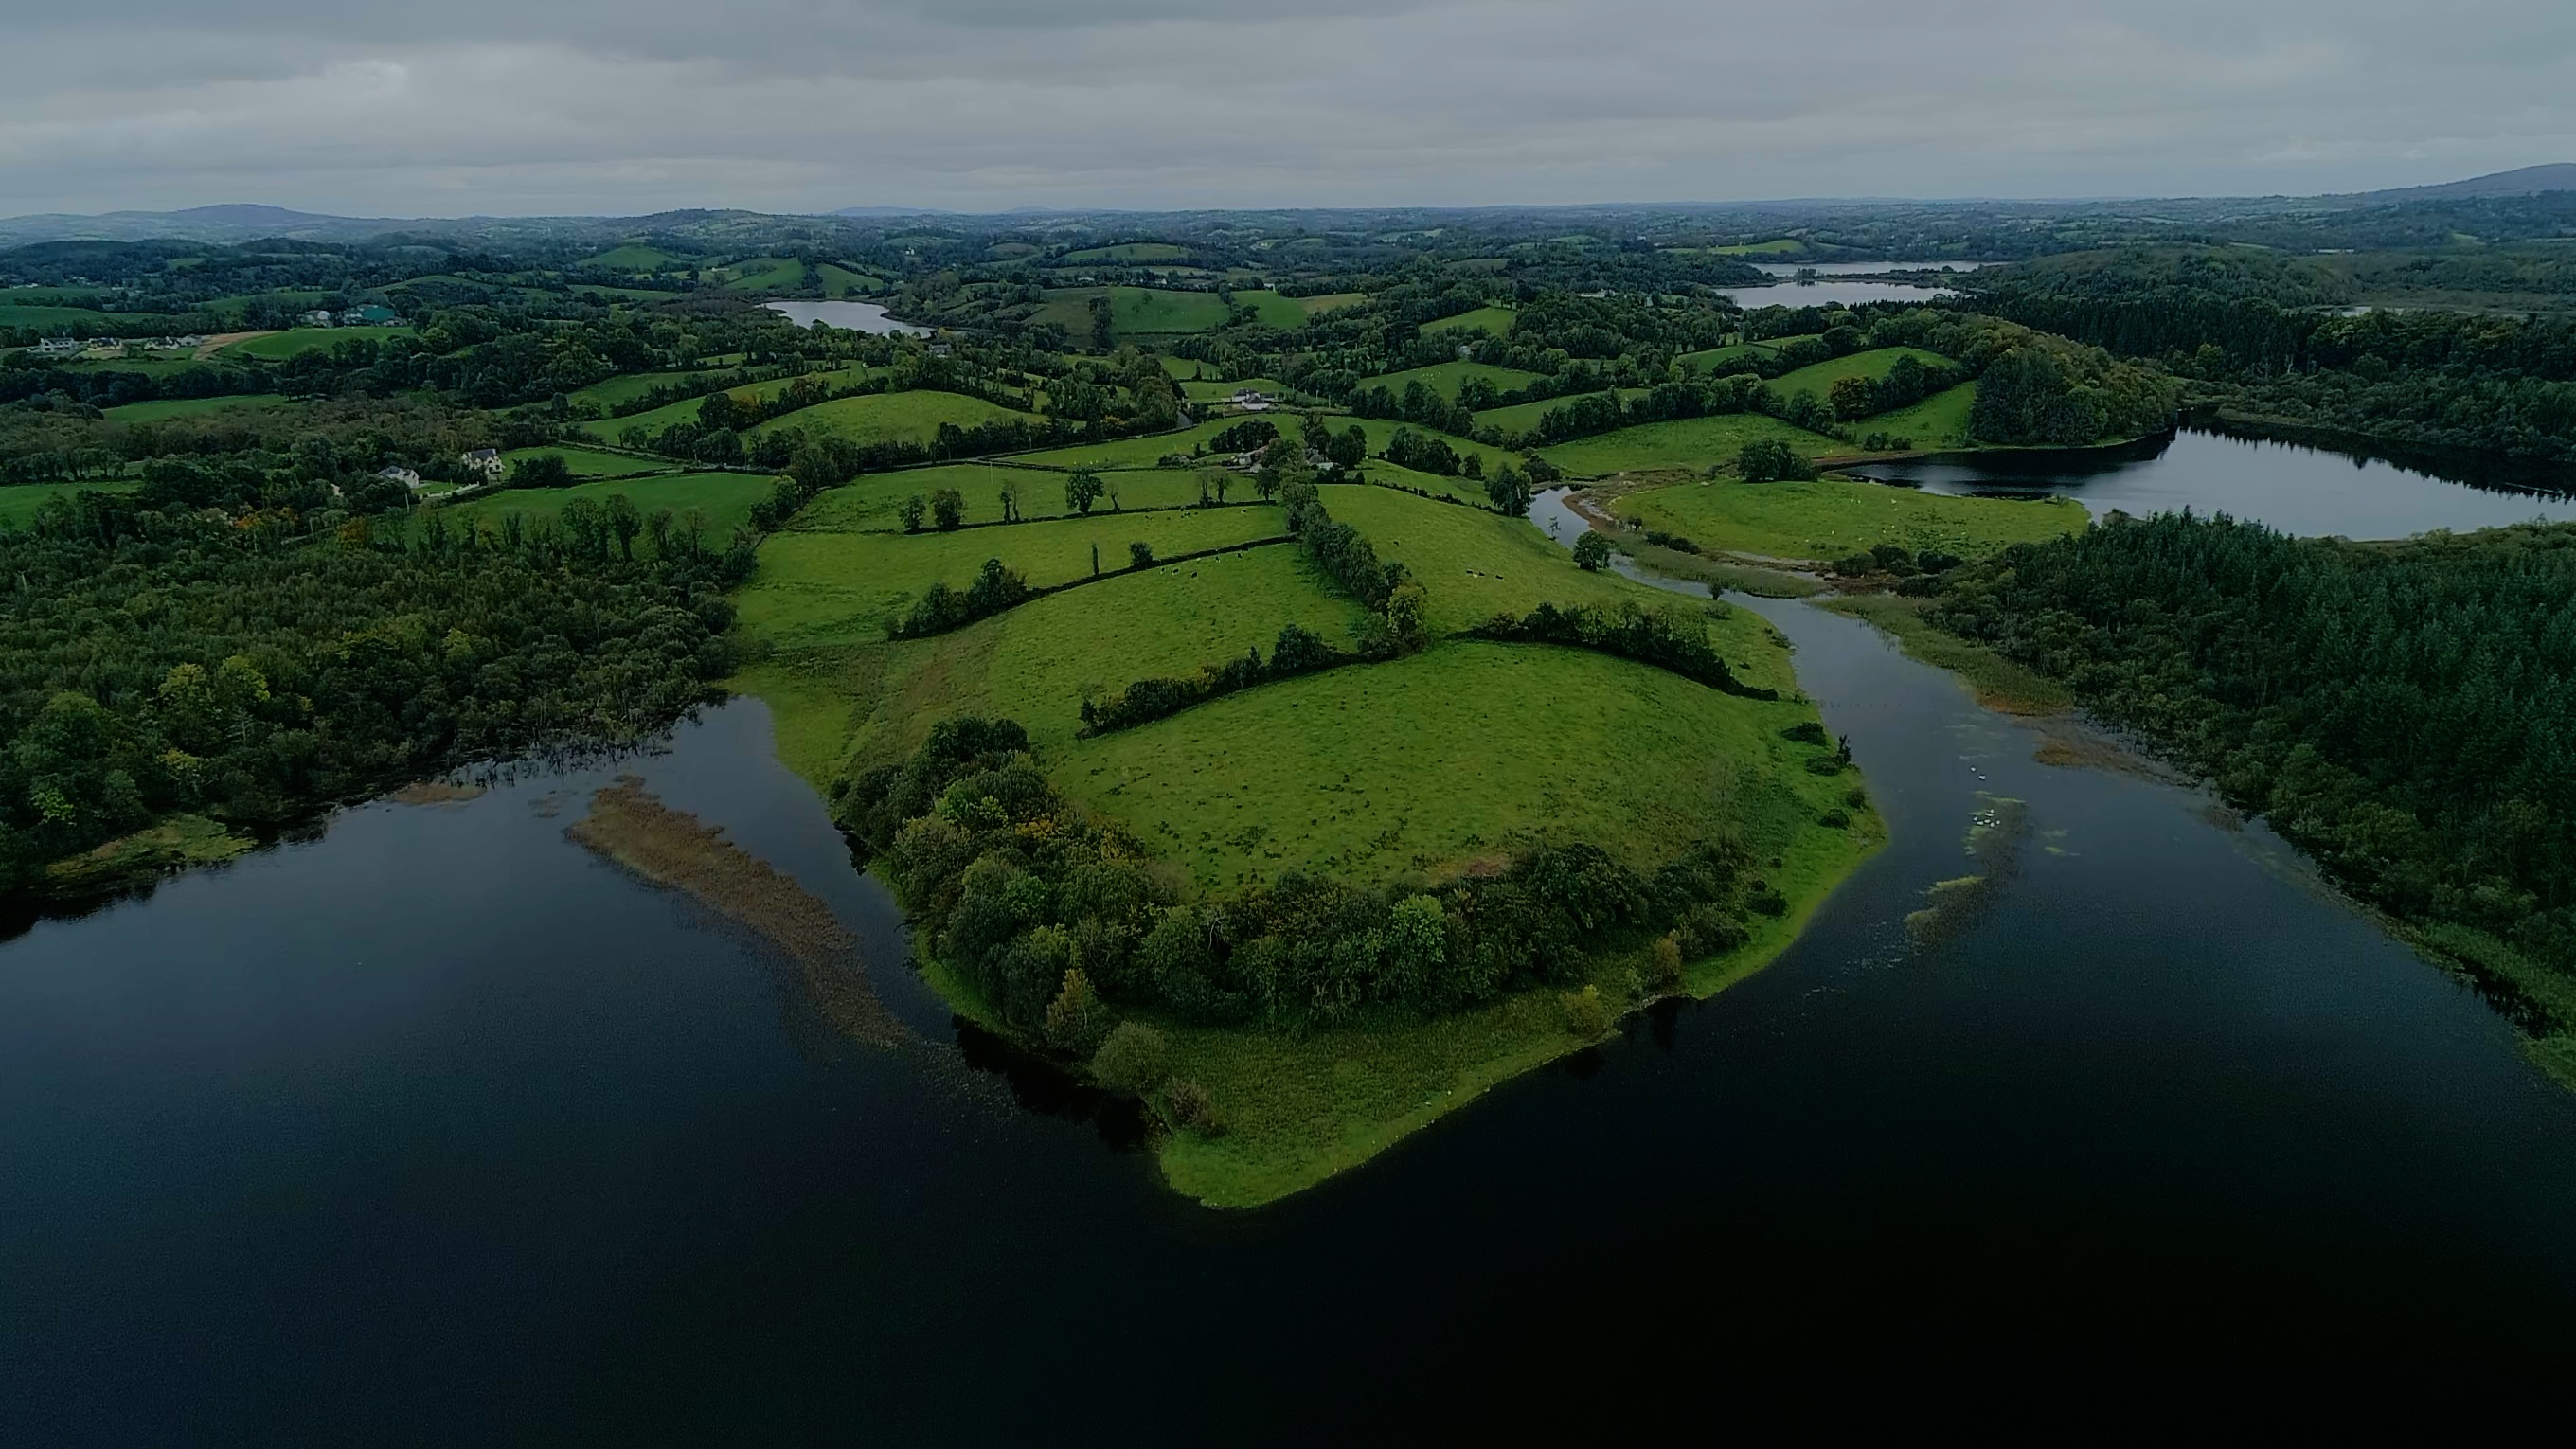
(816, 588)
(1833, 518)
(1780, 246)
(187, 407)
(636, 257)
(1520, 418)
(1131, 252)
(1819, 378)
(19, 501)
(1695, 444)
(873, 503)
(1444, 378)
(1209, 390)
(1274, 310)
(278, 346)
(654, 420)
(1380, 472)
(1939, 421)
(1494, 320)
(1132, 310)
(1379, 430)
(1454, 755)
(890, 417)
(1130, 452)
(46, 314)
(758, 274)
(1736, 357)
(627, 387)
(587, 463)
(724, 498)
(840, 281)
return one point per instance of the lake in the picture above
(1864, 269)
(2290, 486)
(1829, 294)
(856, 316)
(436, 1127)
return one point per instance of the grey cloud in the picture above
(589, 106)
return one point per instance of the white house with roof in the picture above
(486, 461)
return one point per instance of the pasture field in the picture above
(653, 420)
(1445, 378)
(1141, 452)
(19, 501)
(818, 588)
(1832, 518)
(1379, 430)
(1735, 357)
(592, 463)
(1694, 444)
(278, 346)
(1381, 473)
(1495, 321)
(1939, 421)
(840, 281)
(1210, 390)
(1777, 247)
(637, 257)
(890, 417)
(1131, 252)
(1819, 378)
(1521, 417)
(724, 499)
(757, 274)
(1451, 756)
(187, 407)
(159, 364)
(873, 503)
(626, 387)
(1274, 310)
(1132, 310)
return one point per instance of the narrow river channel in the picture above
(438, 1127)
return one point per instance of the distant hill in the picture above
(231, 223)
(2525, 181)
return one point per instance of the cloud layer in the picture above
(587, 106)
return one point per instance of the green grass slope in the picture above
(724, 498)
(278, 346)
(1693, 444)
(1939, 421)
(1444, 378)
(1494, 320)
(890, 417)
(1819, 378)
(187, 407)
(1833, 518)
(874, 503)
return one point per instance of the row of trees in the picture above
(1665, 638)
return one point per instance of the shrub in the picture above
(1191, 1107)
(1806, 732)
(1769, 460)
(1664, 962)
(913, 511)
(1591, 552)
(1134, 1058)
(1140, 555)
(947, 509)
(1076, 1021)
(1834, 819)
(1585, 1016)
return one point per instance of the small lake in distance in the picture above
(1864, 269)
(1830, 293)
(855, 316)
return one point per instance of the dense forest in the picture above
(2406, 712)
(156, 656)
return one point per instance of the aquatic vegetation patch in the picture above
(1994, 841)
(674, 850)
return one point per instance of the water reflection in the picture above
(1830, 294)
(2290, 486)
(856, 316)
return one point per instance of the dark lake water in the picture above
(1830, 293)
(1862, 269)
(436, 1128)
(2293, 487)
(856, 316)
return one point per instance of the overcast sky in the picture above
(449, 107)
